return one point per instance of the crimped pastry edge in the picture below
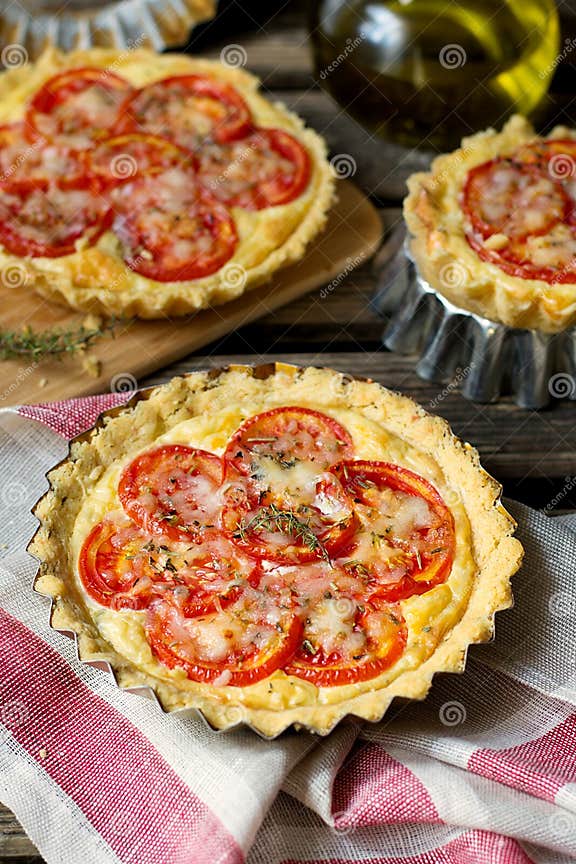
(94, 281)
(497, 552)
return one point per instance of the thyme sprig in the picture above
(38, 344)
(272, 518)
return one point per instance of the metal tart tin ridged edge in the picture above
(121, 24)
(263, 371)
(485, 358)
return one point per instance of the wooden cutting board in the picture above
(352, 234)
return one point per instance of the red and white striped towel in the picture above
(482, 772)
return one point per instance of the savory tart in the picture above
(133, 183)
(274, 545)
(493, 226)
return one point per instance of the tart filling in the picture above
(288, 560)
(493, 226)
(131, 191)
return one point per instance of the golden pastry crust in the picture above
(442, 623)
(96, 279)
(443, 256)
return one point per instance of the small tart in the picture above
(203, 187)
(274, 546)
(493, 226)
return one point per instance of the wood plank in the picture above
(14, 844)
(353, 233)
(273, 35)
(515, 445)
(381, 167)
(282, 60)
(343, 316)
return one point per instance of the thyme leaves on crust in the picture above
(272, 518)
(50, 343)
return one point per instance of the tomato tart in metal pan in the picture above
(133, 183)
(274, 546)
(493, 226)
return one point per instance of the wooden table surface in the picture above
(531, 453)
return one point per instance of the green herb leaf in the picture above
(271, 518)
(45, 343)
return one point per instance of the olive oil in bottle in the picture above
(426, 72)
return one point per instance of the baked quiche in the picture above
(493, 226)
(274, 546)
(133, 183)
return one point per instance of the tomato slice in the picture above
(555, 157)
(122, 567)
(279, 504)
(78, 107)
(370, 638)
(188, 109)
(115, 568)
(406, 542)
(278, 441)
(125, 157)
(550, 258)
(506, 197)
(171, 491)
(211, 575)
(171, 229)
(537, 185)
(22, 159)
(265, 169)
(278, 529)
(236, 646)
(43, 219)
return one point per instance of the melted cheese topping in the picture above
(71, 121)
(428, 617)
